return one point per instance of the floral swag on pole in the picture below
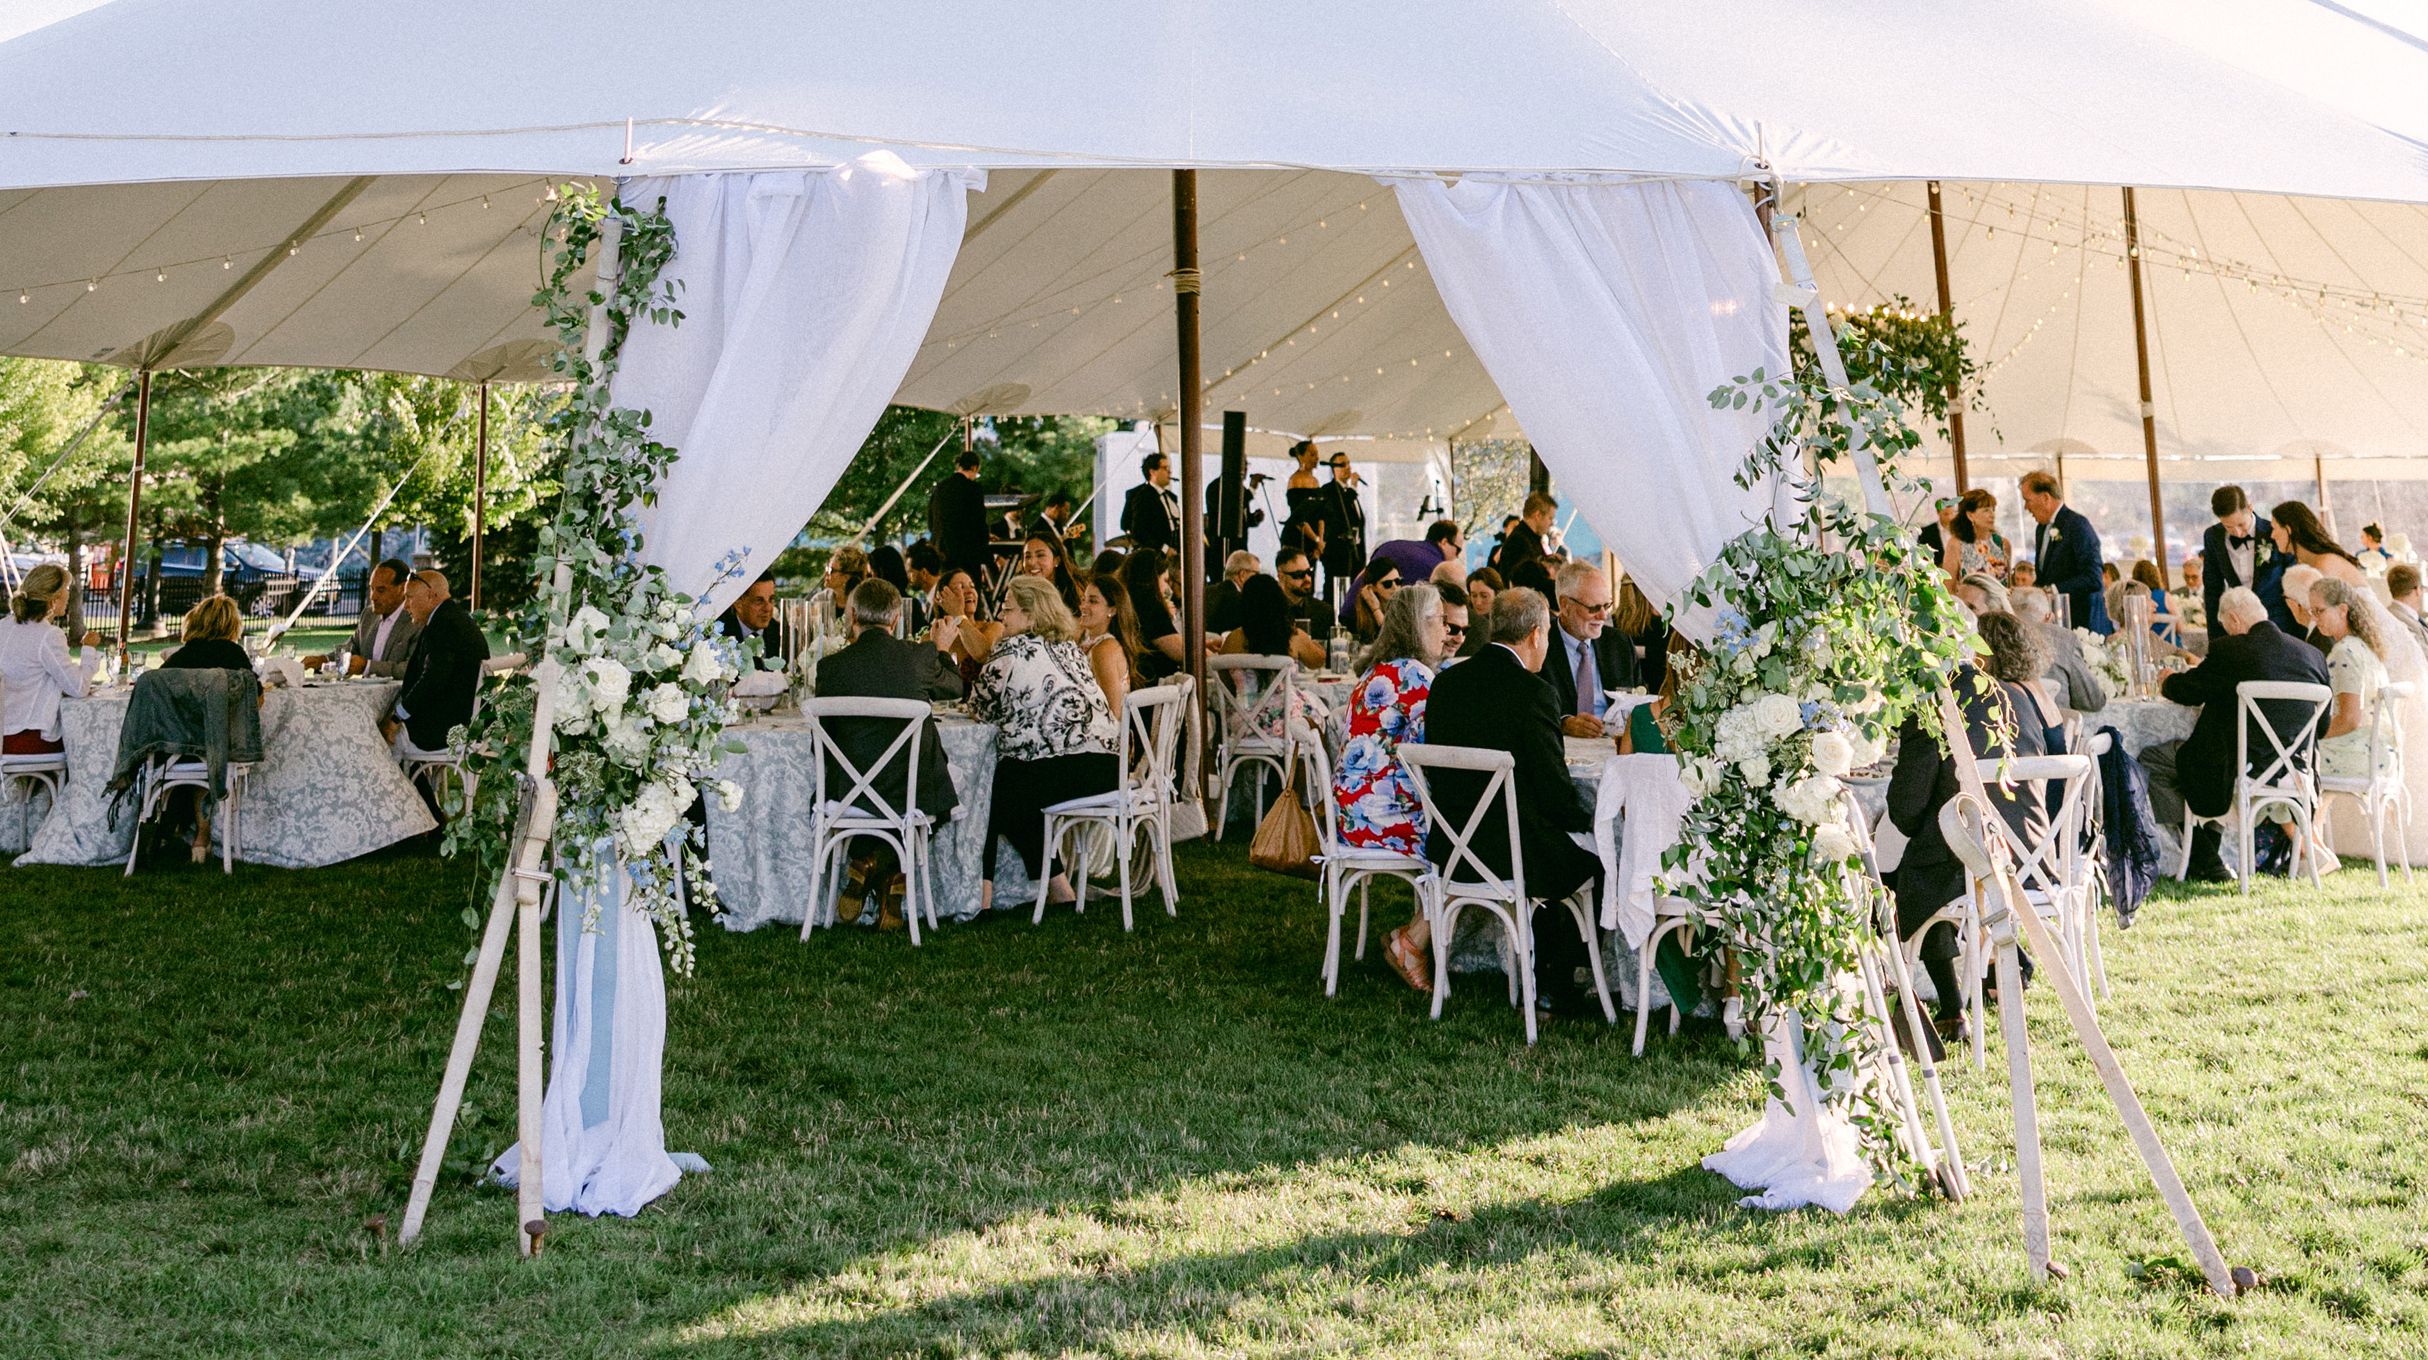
(642, 696)
(1831, 629)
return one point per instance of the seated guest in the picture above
(2192, 578)
(1266, 628)
(1222, 602)
(2198, 771)
(878, 664)
(753, 615)
(1982, 594)
(2017, 660)
(210, 636)
(885, 563)
(1482, 585)
(1057, 736)
(1925, 780)
(2069, 674)
(846, 567)
(1499, 702)
(36, 671)
(1296, 572)
(383, 636)
(1633, 618)
(973, 637)
(1417, 559)
(1364, 611)
(1042, 554)
(1108, 635)
(2297, 580)
(2162, 618)
(2022, 575)
(2356, 671)
(925, 567)
(1452, 571)
(1454, 617)
(1148, 574)
(1647, 733)
(2403, 583)
(1585, 657)
(1378, 805)
(445, 673)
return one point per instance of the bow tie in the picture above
(2242, 542)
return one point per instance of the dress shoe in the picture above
(2214, 871)
(889, 910)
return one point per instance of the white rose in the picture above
(1776, 715)
(1833, 754)
(1810, 800)
(668, 703)
(1862, 750)
(1756, 769)
(584, 628)
(1833, 842)
(704, 665)
(1695, 774)
(729, 794)
(651, 815)
(624, 740)
(608, 683)
(664, 658)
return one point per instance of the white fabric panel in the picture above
(804, 295)
(602, 1143)
(1796, 1156)
(1607, 313)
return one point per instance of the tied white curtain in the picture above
(804, 295)
(602, 1146)
(1606, 313)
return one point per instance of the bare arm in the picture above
(1112, 672)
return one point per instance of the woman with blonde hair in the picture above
(36, 671)
(1056, 734)
(210, 635)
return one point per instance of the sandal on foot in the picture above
(1409, 962)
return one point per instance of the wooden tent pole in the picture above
(480, 493)
(1947, 312)
(2149, 408)
(1190, 570)
(134, 510)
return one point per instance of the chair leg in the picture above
(1121, 852)
(1168, 876)
(1644, 988)
(817, 881)
(1365, 889)
(1332, 914)
(1445, 922)
(1044, 878)
(1222, 800)
(1521, 960)
(1582, 910)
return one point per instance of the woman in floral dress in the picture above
(1055, 735)
(1378, 806)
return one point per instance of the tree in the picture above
(44, 404)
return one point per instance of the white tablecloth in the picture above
(2143, 723)
(327, 789)
(761, 850)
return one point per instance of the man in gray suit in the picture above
(383, 637)
(2403, 582)
(877, 664)
(2077, 688)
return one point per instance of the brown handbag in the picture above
(1286, 841)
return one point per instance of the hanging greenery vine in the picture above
(641, 688)
(1820, 654)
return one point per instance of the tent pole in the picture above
(2326, 511)
(2149, 408)
(480, 493)
(1191, 569)
(134, 510)
(1947, 313)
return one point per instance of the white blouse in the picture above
(35, 674)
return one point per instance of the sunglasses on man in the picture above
(1302, 574)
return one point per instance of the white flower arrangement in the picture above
(2103, 661)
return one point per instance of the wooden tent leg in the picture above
(2034, 1187)
(459, 1059)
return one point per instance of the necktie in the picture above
(1587, 682)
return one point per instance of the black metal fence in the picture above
(262, 597)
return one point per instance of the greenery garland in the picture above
(1819, 654)
(642, 676)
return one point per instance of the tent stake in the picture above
(1947, 313)
(2149, 408)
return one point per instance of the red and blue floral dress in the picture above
(1378, 807)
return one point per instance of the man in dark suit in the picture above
(1344, 530)
(1222, 600)
(1934, 534)
(1150, 514)
(754, 616)
(2066, 549)
(956, 518)
(878, 664)
(445, 672)
(1496, 701)
(2199, 771)
(1585, 644)
(1524, 541)
(2239, 551)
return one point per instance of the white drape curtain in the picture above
(805, 295)
(1606, 312)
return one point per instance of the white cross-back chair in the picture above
(858, 808)
(2382, 793)
(2285, 781)
(1254, 700)
(1140, 806)
(1347, 867)
(1466, 881)
(46, 770)
(161, 774)
(435, 768)
(1670, 916)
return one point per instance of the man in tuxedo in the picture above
(878, 664)
(2403, 582)
(956, 518)
(754, 616)
(1934, 534)
(1585, 657)
(1344, 529)
(1524, 543)
(2199, 771)
(2239, 551)
(1496, 701)
(2066, 548)
(1151, 514)
(445, 673)
(383, 636)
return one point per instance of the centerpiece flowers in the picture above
(1830, 628)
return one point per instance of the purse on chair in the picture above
(1286, 841)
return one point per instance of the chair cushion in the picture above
(1355, 857)
(1103, 804)
(48, 760)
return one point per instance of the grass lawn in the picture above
(1067, 1141)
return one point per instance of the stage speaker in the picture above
(1231, 499)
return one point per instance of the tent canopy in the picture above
(321, 199)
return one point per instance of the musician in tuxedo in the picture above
(1495, 700)
(956, 519)
(1151, 513)
(1344, 529)
(2238, 550)
(1583, 644)
(444, 675)
(2199, 770)
(2066, 548)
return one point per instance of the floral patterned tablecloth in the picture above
(327, 788)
